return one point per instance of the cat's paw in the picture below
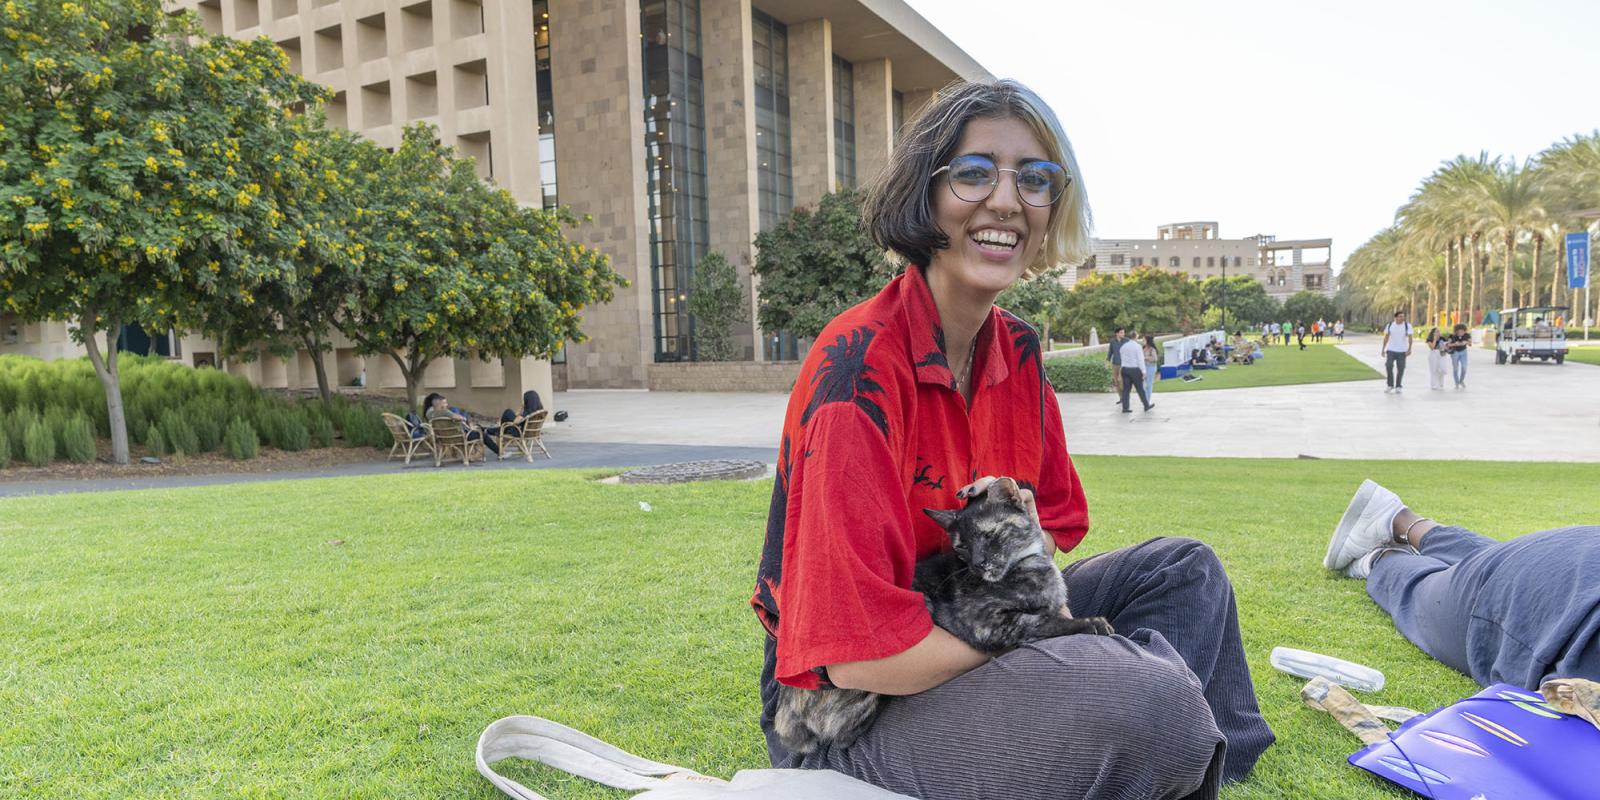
(1099, 626)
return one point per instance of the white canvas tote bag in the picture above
(577, 753)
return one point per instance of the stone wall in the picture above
(724, 376)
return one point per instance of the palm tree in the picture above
(1512, 202)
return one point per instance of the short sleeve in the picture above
(849, 553)
(1063, 510)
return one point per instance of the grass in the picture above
(351, 637)
(1282, 366)
(1584, 355)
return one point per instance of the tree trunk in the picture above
(412, 369)
(313, 345)
(110, 379)
(1533, 280)
(1444, 300)
(1511, 259)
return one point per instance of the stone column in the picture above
(513, 98)
(874, 94)
(914, 101)
(811, 109)
(728, 66)
(596, 68)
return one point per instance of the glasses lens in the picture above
(1040, 183)
(972, 177)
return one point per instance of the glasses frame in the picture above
(1016, 182)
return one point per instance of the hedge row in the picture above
(1078, 374)
(57, 409)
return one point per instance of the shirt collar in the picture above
(926, 336)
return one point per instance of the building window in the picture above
(675, 154)
(1116, 259)
(1174, 262)
(775, 181)
(547, 111)
(1211, 261)
(1314, 282)
(1138, 261)
(844, 124)
(899, 113)
(134, 339)
(1237, 261)
(1196, 262)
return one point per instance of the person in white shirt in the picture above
(1338, 329)
(1396, 346)
(1132, 358)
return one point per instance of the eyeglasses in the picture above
(973, 178)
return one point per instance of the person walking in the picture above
(1114, 357)
(1460, 341)
(1288, 332)
(1396, 346)
(1276, 331)
(1300, 335)
(1133, 374)
(1152, 364)
(1321, 329)
(1338, 329)
(1436, 359)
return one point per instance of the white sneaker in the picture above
(1396, 390)
(1361, 568)
(1388, 389)
(1367, 525)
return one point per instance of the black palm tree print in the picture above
(844, 377)
(1023, 338)
(770, 572)
(937, 358)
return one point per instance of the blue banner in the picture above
(1577, 260)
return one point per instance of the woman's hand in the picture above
(981, 485)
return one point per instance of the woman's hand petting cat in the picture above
(981, 485)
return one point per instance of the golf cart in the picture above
(1532, 332)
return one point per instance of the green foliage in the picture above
(178, 434)
(1078, 374)
(1148, 300)
(816, 264)
(321, 430)
(154, 441)
(5, 448)
(453, 265)
(717, 303)
(38, 443)
(1247, 302)
(1037, 301)
(240, 442)
(77, 439)
(285, 429)
(1307, 307)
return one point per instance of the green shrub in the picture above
(1078, 374)
(240, 441)
(39, 444)
(5, 449)
(285, 429)
(179, 434)
(56, 418)
(154, 442)
(207, 432)
(17, 423)
(77, 439)
(321, 430)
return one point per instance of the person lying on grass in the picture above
(1524, 611)
(914, 394)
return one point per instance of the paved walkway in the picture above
(1524, 412)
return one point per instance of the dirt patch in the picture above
(206, 464)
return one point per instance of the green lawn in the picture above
(1282, 366)
(1584, 355)
(351, 637)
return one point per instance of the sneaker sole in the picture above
(1348, 522)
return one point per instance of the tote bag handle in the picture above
(572, 751)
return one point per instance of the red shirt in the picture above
(874, 433)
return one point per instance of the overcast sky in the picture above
(1285, 117)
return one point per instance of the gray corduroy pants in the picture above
(1164, 709)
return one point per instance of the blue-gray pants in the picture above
(1458, 366)
(1394, 368)
(1163, 709)
(1521, 611)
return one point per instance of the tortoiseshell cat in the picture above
(996, 589)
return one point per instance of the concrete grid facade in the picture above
(1197, 250)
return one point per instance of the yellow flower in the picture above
(150, 164)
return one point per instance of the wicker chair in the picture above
(524, 434)
(449, 437)
(406, 442)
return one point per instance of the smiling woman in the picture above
(928, 388)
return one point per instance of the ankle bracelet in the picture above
(1405, 538)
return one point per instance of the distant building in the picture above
(1196, 249)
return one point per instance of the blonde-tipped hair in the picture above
(899, 206)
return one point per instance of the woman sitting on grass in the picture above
(917, 392)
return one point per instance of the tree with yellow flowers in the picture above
(454, 267)
(139, 170)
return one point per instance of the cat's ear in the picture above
(945, 518)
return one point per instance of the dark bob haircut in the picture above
(898, 211)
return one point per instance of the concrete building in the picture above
(680, 126)
(1198, 250)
